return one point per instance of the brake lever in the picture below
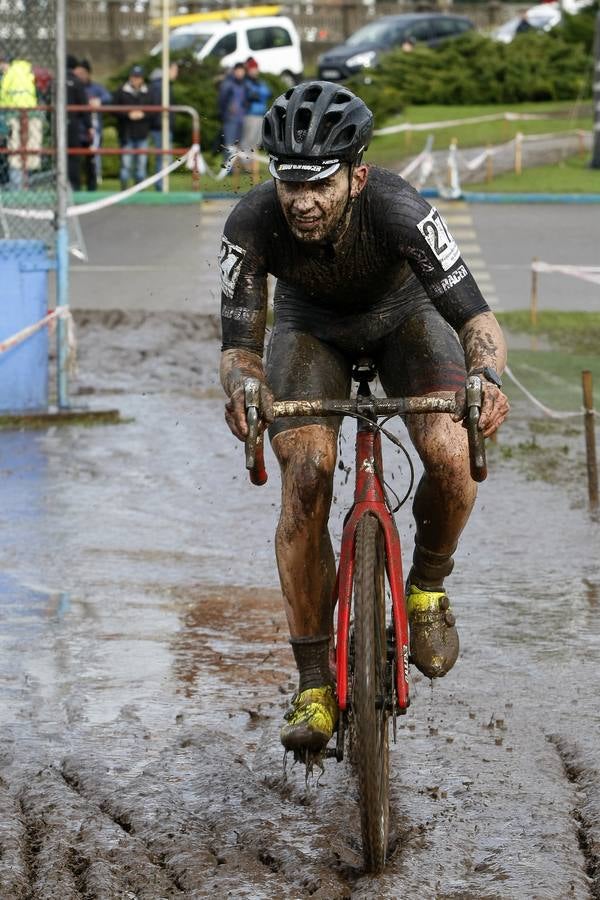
(255, 459)
(474, 401)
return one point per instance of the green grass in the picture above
(571, 176)
(574, 332)
(389, 149)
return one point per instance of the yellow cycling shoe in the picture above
(311, 720)
(433, 635)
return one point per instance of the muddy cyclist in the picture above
(364, 266)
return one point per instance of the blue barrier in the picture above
(24, 266)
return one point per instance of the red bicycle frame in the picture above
(369, 498)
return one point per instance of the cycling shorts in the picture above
(312, 349)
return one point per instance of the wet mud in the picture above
(145, 666)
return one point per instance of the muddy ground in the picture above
(145, 666)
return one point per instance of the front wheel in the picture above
(369, 718)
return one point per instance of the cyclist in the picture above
(364, 266)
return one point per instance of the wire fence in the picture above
(27, 64)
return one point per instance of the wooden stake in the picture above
(534, 294)
(489, 164)
(590, 437)
(518, 153)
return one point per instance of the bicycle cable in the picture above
(391, 437)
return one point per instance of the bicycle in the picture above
(372, 652)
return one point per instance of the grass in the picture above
(390, 150)
(574, 332)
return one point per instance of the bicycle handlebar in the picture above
(379, 406)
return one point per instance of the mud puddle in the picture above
(145, 669)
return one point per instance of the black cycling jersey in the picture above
(393, 235)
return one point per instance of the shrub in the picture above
(475, 69)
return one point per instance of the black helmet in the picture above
(313, 128)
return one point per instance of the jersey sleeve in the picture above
(243, 280)
(436, 260)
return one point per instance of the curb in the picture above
(484, 197)
(174, 198)
(144, 198)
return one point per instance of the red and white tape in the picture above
(585, 273)
(61, 312)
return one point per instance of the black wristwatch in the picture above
(489, 374)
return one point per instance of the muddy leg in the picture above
(444, 498)
(304, 553)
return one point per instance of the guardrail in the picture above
(21, 146)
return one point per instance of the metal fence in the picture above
(27, 63)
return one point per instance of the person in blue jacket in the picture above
(259, 94)
(233, 104)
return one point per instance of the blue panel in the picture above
(23, 301)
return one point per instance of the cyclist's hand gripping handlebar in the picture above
(255, 458)
(474, 400)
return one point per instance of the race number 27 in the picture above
(435, 231)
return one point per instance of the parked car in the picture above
(272, 40)
(364, 48)
(537, 18)
(542, 17)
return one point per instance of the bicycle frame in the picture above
(369, 498)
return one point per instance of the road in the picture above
(164, 258)
(145, 663)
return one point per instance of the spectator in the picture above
(4, 129)
(233, 104)
(17, 89)
(259, 94)
(524, 24)
(79, 124)
(134, 126)
(96, 94)
(155, 98)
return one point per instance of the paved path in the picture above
(164, 258)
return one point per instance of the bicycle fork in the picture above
(370, 499)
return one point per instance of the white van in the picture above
(272, 40)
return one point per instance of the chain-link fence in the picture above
(27, 161)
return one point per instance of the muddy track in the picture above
(146, 669)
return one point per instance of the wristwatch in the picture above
(489, 374)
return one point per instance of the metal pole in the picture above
(165, 138)
(62, 236)
(595, 163)
(590, 438)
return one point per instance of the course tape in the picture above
(452, 123)
(60, 312)
(551, 413)
(586, 273)
(191, 158)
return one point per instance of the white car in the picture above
(271, 40)
(542, 17)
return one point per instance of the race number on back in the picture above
(434, 230)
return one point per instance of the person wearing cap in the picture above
(96, 95)
(365, 267)
(79, 123)
(259, 94)
(134, 126)
(233, 102)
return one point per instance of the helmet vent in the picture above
(302, 123)
(342, 97)
(312, 93)
(345, 137)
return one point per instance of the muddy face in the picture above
(314, 210)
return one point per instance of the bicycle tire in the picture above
(369, 718)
